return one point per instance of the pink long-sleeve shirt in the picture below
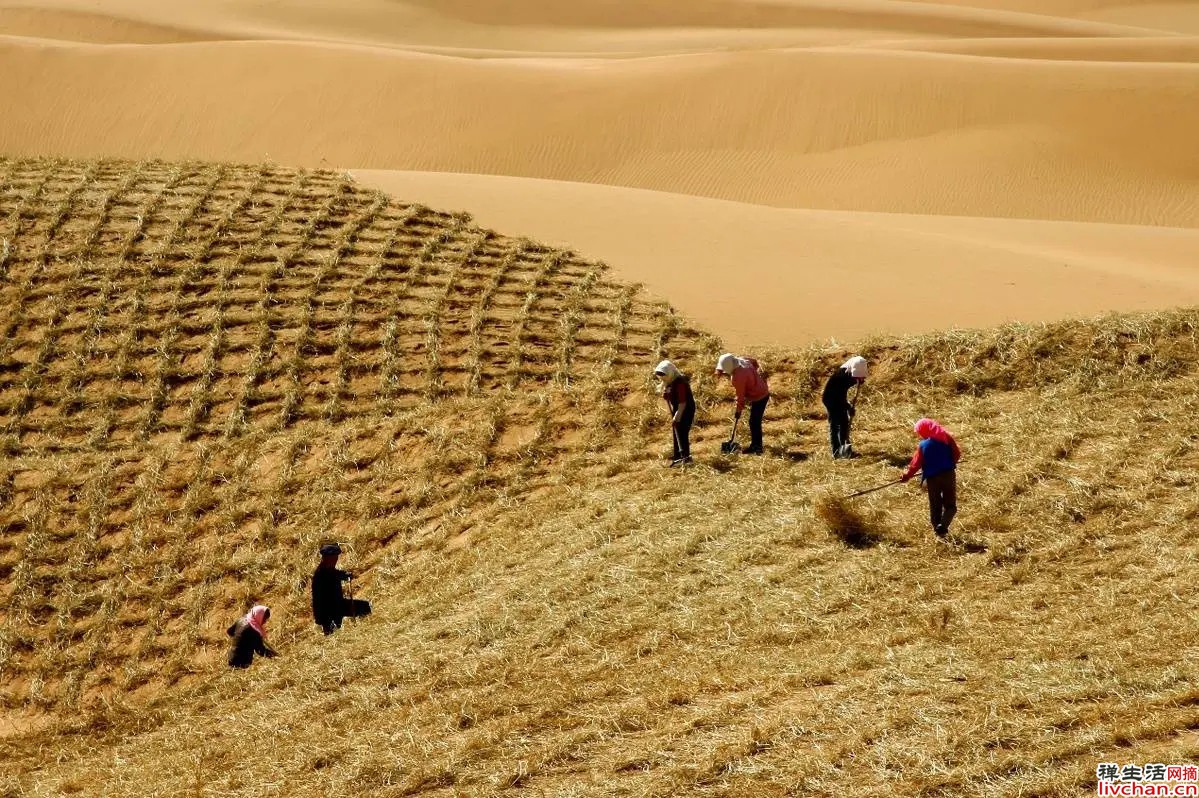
(749, 384)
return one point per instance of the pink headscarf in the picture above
(927, 428)
(256, 617)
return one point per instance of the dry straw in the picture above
(246, 361)
(846, 523)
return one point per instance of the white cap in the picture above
(668, 370)
(857, 368)
(727, 363)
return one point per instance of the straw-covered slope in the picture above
(209, 369)
(204, 366)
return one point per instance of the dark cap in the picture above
(330, 550)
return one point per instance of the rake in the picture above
(872, 490)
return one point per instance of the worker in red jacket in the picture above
(937, 458)
(750, 385)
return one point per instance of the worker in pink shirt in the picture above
(751, 388)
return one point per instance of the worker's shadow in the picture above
(794, 455)
(721, 464)
(966, 545)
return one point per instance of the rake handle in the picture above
(872, 490)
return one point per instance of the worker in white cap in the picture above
(680, 401)
(751, 388)
(836, 401)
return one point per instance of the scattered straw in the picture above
(846, 523)
(555, 610)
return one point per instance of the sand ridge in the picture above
(805, 275)
(856, 129)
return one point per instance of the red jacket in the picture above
(918, 460)
(749, 384)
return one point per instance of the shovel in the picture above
(731, 446)
(853, 408)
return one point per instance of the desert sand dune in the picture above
(842, 128)
(1181, 17)
(914, 17)
(1133, 49)
(781, 276)
(532, 24)
(1073, 111)
(89, 26)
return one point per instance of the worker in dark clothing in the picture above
(249, 637)
(676, 390)
(329, 606)
(836, 401)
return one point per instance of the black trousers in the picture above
(838, 427)
(756, 412)
(942, 499)
(682, 435)
(350, 608)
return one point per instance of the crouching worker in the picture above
(751, 388)
(676, 390)
(329, 606)
(937, 457)
(249, 637)
(836, 401)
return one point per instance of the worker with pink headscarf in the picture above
(937, 457)
(249, 637)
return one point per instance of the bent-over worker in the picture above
(249, 637)
(676, 390)
(750, 385)
(836, 401)
(937, 458)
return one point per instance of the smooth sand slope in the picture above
(891, 128)
(781, 276)
(1068, 111)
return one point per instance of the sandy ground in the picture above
(781, 170)
(780, 276)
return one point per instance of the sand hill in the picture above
(787, 276)
(209, 369)
(1075, 111)
(167, 323)
(220, 345)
